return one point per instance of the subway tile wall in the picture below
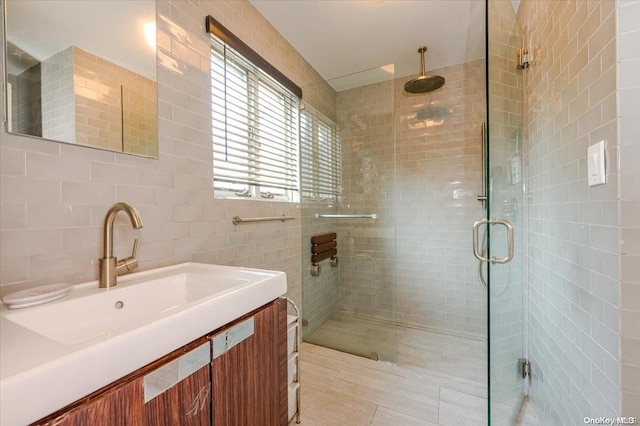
(570, 104)
(26, 114)
(320, 300)
(53, 196)
(628, 33)
(140, 121)
(116, 112)
(58, 107)
(425, 201)
(439, 175)
(367, 247)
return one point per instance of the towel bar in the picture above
(345, 216)
(237, 220)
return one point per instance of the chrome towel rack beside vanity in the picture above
(237, 220)
(345, 216)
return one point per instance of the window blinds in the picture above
(320, 156)
(254, 123)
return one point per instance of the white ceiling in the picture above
(113, 30)
(341, 37)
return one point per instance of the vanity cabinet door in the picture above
(121, 405)
(249, 370)
(188, 403)
(179, 392)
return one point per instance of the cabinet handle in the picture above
(158, 381)
(230, 338)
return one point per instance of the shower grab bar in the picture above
(510, 247)
(237, 220)
(345, 216)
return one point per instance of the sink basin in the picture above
(95, 336)
(133, 303)
(130, 304)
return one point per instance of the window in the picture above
(320, 157)
(254, 123)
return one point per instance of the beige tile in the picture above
(631, 378)
(407, 396)
(314, 370)
(12, 162)
(334, 408)
(631, 404)
(460, 409)
(409, 390)
(387, 417)
(351, 359)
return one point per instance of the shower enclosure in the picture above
(415, 161)
(348, 188)
(422, 163)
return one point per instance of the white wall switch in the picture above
(595, 164)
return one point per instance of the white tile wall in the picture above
(573, 252)
(628, 34)
(54, 196)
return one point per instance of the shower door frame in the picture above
(505, 197)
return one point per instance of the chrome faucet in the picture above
(110, 267)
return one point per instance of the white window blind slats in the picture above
(320, 156)
(264, 169)
(254, 126)
(272, 123)
(266, 146)
(323, 172)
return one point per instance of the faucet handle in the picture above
(128, 263)
(135, 248)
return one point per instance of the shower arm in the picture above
(423, 71)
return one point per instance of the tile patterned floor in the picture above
(438, 380)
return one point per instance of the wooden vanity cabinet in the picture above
(244, 384)
(249, 379)
(120, 405)
(188, 403)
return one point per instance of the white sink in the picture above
(95, 336)
(132, 303)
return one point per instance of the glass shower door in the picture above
(505, 231)
(348, 190)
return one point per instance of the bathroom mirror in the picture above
(83, 72)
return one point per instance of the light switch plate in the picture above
(595, 164)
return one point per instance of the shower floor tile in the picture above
(438, 380)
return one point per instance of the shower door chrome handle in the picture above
(476, 250)
(510, 239)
